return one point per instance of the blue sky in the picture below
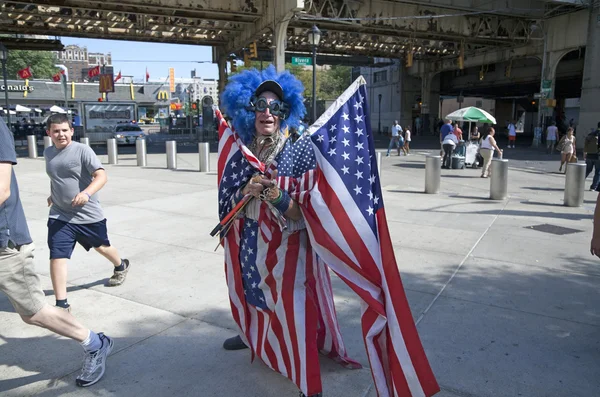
(169, 55)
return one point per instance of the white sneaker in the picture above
(94, 363)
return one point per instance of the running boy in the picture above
(76, 175)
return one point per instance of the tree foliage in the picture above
(331, 82)
(41, 62)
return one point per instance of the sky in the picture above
(132, 57)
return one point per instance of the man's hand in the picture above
(49, 200)
(80, 200)
(595, 246)
(258, 183)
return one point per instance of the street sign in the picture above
(537, 95)
(303, 61)
(546, 84)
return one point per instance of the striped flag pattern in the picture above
(345, 216)
(280, 291)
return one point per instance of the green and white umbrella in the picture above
(472, 114)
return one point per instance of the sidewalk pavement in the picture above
(503, 309)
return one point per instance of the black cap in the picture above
(270, 85)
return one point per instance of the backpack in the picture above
(591, 143)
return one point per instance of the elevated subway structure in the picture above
(434, 32)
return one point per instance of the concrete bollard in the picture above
(171, 155)
(499, 179)
(32, 146)
(574, 184)
(113, 153)
(433, 172)
(140, 152)
(379, 163)
(85, 141)
(204, 152)
(47, 142)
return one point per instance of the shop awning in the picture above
(20, 108)
(57, 109)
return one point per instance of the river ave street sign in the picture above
(303, 61)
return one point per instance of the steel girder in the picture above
(206, 22)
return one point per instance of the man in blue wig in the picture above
(279, 289)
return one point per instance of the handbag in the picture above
(561, 144)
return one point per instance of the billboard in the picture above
(172, 79)
(103, 117)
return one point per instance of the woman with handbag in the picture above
(568, 151)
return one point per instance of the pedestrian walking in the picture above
(76, 176)
(448, 145)
(445, 129)
(488, 147)
(20, 282)
(568, 151)
(395, 138)
(590, 155)
(512, 134)
(551, 138)
(407, 139)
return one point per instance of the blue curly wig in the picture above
(241, 88)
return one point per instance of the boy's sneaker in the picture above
(94, 363)
(118, 277)
(68, 308)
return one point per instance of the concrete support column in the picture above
(426, 79)
(222, 64)
(280, 43)
(589, 110)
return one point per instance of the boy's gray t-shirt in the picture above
(70, 171)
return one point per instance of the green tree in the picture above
(333, 82)
(41, 62)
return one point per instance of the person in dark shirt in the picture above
(19, 281)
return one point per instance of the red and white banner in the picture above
(25, 73)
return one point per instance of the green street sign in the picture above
(304, 61)
(547, 84)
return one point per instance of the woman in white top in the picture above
(448, 144)
(488, 146)
(406, 147)
(568, 152)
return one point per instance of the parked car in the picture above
(127, 134)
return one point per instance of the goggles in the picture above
(276, 108)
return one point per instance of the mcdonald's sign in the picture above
(106, 83)
(162, 96)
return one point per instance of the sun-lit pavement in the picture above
(505, 293)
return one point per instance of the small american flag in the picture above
(346, 219)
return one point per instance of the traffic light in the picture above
(232, 66)
(247, 62)
(507, 70)
(461, 57)
(253, 50)
(194, 106)
(409, 59)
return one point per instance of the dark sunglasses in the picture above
(276, 108)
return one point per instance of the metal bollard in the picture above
(113, 154)
(433, 172)
(47, 142)
(32, 146)
(499, 179)
(172, 155)
(141, 153)
(85, 141)
(574, 184)
(379, 162)
(203, 150)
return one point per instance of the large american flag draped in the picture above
(280, 291)
(343, 210)
(346, 219)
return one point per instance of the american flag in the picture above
(345, 215)
(280, 291)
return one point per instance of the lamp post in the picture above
(314, 36)
(379, 127)
(4, 59)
